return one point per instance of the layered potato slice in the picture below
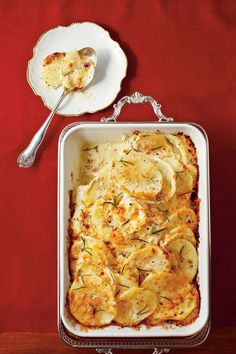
(88, 252)
(138, 175)
(151, 143)
(177, 298)
(177, 146)
(183, 257)
(183, 216)
(92, 299)
(147, 260)
(174, 234)
(116, 219)
(184, 178)
(123, 283)
(134, 305)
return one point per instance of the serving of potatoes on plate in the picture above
(134, 232)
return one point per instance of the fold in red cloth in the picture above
(180, 52)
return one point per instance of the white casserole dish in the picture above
(68, 163)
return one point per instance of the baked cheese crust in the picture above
(134, 232)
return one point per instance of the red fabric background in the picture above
(180, 52)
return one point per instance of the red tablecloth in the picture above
(180, 52)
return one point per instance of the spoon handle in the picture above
(27, 157)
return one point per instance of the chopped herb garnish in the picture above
(95, 310)
(148, 179)
(123, 268)
(132, 148)
(141, 240)
(85, 249)
(117, 292)
(181, 251)
(92, 148)
(81, 287)
(125, 286)
(184, 193)
(143, 311)
(164, 297)
(155, 231)
(112, 277)
(108, 225)
(169, 141)
(126, 222)
(114, 202)
(156, 148)
(125, 162)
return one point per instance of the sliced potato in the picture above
(123, 283)
(183, 216)
(134, 305)
(151, 143)
(183, 257)
(187, 234)
(183, 176)
(178, 147)
(177, 297)
(167, 285)
(138, 175)
(88, 252)
(91, 300)
(116, 220)
(172, 311)
(147, 260)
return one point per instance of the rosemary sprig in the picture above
(126, 137)
(81, 287)
(164, 297)
(181, 251)
(117, 292)
(143, 311)
(123, 268)
(108, 225)
(125, 162)
(141, 240)
(125, 286)
(82, 279)
(142, 271)
(156, 148)
(155, 232)
(126, 222)
(169, 142)
(148, 179)
(85, 249)
(95, 310)
(184, 193)
(112, 277)
(166, 212)
(92, 148)
(109, 202)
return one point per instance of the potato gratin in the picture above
(66, 69)
(133, 232)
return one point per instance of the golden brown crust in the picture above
(52, 57)
(168, 224)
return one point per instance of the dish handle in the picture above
(108, 351)
(136, 98)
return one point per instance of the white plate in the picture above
(110, 71)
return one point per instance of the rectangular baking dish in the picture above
(68, 163)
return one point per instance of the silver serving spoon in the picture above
(27, 157)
